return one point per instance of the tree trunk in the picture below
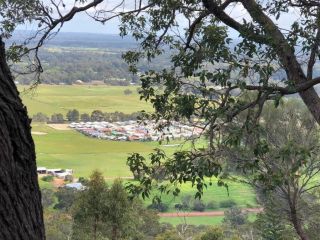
(20, 198)
(297, 224)
(114, 233)
(312, 101)
(95, 229)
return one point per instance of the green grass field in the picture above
(199, 220)
(239, 193)
(192, 220)
(70, 149)
(51, 99)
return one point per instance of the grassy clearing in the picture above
(51, 99)
(199, 220)
(239, 193)
(192, 220)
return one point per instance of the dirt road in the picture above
(205, 214)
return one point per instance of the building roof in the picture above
(77, 186)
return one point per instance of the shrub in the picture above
(40, 117)
(47, 197)
(198, 205)
(65, 197)
(178, 206)
(169, 235)
(212, 205)
(228, 204)
(235, 217)
(73, 115)
(213, 233)
(47, 178)
(127, 92)
(161, 207)
(84, 181)
(186, 201)
(57, 118)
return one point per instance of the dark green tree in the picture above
(90, 210)
(97, 115)
(65, 198)
(73, 115)
(85, 117)
(235, 217)
(57, 118)
(101, 212)
(271, 225)
(40, 117)
(120, 212)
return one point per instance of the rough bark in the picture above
(20, 199)
(114, 233)
(297, 224)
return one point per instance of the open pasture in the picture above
(51, 99)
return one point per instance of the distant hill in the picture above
(82, 40)
(69, 57)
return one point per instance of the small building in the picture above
(41, 170)
(77, 186)
(54, 172)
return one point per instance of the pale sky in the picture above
(83, 23)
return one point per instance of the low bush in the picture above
(161, 207)
(228, 204)
(198, 205)
(47, 178)
(212, 205)
(187, 201)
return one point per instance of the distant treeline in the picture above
(67, 65)
(75, 116)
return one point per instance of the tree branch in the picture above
(193, 26)
(219, 13)
(314, 50)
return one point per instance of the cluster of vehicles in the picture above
(133, 131)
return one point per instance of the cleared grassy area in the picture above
(192, 220)
(241, 194)
(198, 220)
(51, 99)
